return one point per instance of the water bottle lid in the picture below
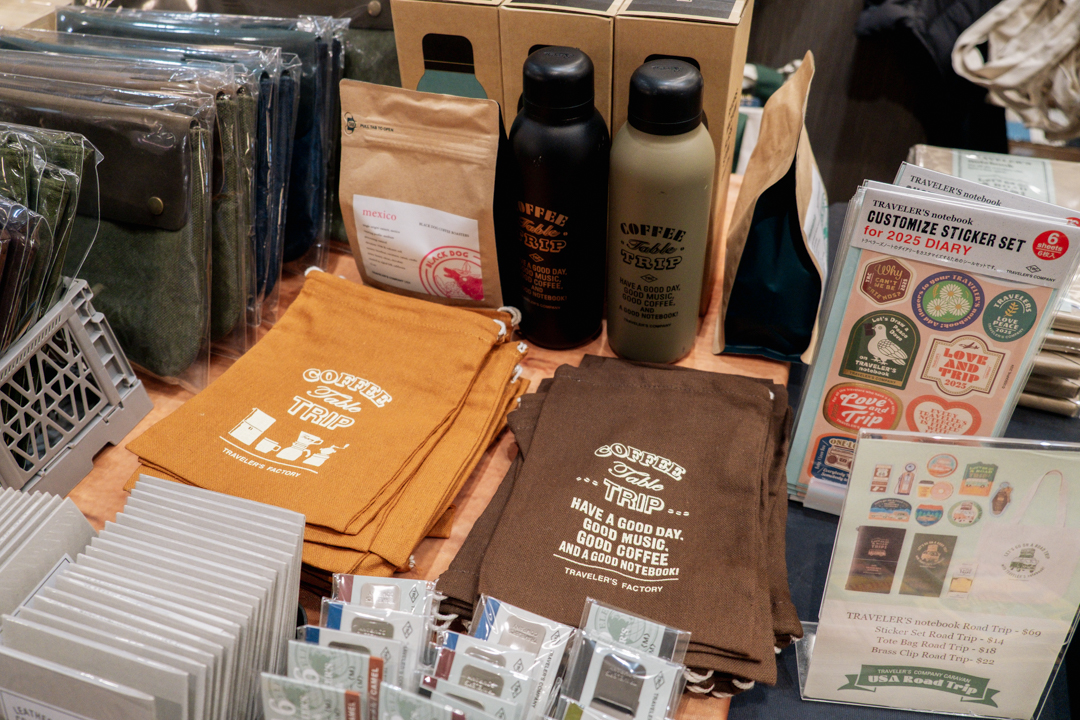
(665, 97)
(558, 78)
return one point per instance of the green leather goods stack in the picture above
(150, 264)
(232, 224)
(41, 177)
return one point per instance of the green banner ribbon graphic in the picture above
(971, 689)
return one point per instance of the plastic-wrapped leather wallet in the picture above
(149, 266)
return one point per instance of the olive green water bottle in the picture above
(660, 195)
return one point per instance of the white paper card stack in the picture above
(39, 534)
(186, 598)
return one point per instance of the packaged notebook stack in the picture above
(171, 613)
(41, 179)
(1054, 383)
(363, 410)
(626, 490)
(216, 164)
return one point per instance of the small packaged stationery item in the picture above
(393, 653)
(466, 696)
(392, 624)
(284, 699)
(619, 627)
(619, 682)
(412, 630)
(397, 704)
(336, 667)
(475, 673)
(511, 626)
(412, 596)
(499, 655)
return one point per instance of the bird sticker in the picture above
(881, 349)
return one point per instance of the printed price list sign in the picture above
(953, 583)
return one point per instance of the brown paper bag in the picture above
(777, 244)
(417, 192)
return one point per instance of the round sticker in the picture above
(1009, 316)
(1050, 245)
(964, 513)
(851, 406)
(927, 515)
(947, 301)
(941, 490)
(890, 509)
(941, 465)
(453, 272)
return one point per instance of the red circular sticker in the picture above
(1051, 245)
(851, 406)
(1073, 221)
(453, 272)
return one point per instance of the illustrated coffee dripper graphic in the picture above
(300, 446)
(319, 458)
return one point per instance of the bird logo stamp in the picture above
(881, 349)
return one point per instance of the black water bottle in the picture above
(560, 146)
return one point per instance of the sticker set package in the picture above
(546, 639)
(964, 607)
(936, 311)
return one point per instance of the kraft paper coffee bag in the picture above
(417, 192)
(777, 244)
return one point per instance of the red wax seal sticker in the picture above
(1050, 245)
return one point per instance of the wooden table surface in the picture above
(101, 496)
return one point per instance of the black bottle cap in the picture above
(665, 97)
(558, 78)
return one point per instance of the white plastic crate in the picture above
(66, 390)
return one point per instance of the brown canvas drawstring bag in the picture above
(459, 581)
(337, 406)
(627, 495)
(785, 619)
